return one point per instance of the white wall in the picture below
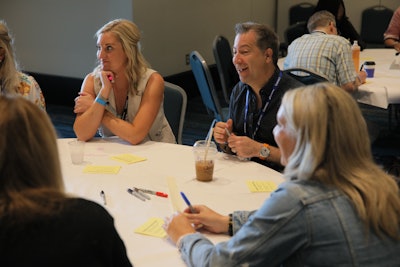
(181, 26)
(56, 36)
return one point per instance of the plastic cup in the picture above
(204, 158)
(369, 67)
(76, 149)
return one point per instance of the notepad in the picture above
(153, 227)
(261, 186)
(101, 169)
(128, 158)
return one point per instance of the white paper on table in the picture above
(174, 194)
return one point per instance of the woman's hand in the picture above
(177, 226)
(208, 219)
(83, 102)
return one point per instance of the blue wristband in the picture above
(101, 101)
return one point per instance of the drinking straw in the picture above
(209, 136)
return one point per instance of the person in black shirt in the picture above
(343, 24)
(255, 100)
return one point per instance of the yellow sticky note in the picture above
(261, 186)
(101, 169)
(153, 227)
(128, 158)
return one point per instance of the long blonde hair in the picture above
(129, 35)
(30, 174)
(9, 67)
(333, 147)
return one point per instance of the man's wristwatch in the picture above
(264, 152)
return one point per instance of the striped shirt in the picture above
(327, 54)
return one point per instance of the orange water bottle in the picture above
(355, 48)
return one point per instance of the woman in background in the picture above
(337, 208)
(39, 224)
(122, 96)
(12, 80)
(343, 24)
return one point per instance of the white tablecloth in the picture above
(384, 88)
(226, 193)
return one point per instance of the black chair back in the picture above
(295, 31)
(226, 70)
(374, 22)
(300, 12)
(305, 76)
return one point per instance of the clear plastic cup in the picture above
(76, 149)
(204, 158)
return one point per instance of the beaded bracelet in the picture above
(101, 100)
(230, 227)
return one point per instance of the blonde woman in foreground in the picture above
(337, 207)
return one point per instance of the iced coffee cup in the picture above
(204, 157)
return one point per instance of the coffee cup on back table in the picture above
(204, 157)
(369, 67)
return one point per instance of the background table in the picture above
(384, 88)
(226, 193)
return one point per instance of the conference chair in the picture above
(374, 22)
(206, 87)
(175, 102)
(226, 70)
(300, 12)
(295, 31)
(305, 76)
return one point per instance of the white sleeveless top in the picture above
(160, 131)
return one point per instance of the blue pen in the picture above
(192, 210)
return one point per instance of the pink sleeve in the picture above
(393, 30)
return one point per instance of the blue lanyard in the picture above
(274, 88)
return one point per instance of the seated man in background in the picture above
(255, 100)
(326, 53)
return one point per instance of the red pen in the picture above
(156, 193)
